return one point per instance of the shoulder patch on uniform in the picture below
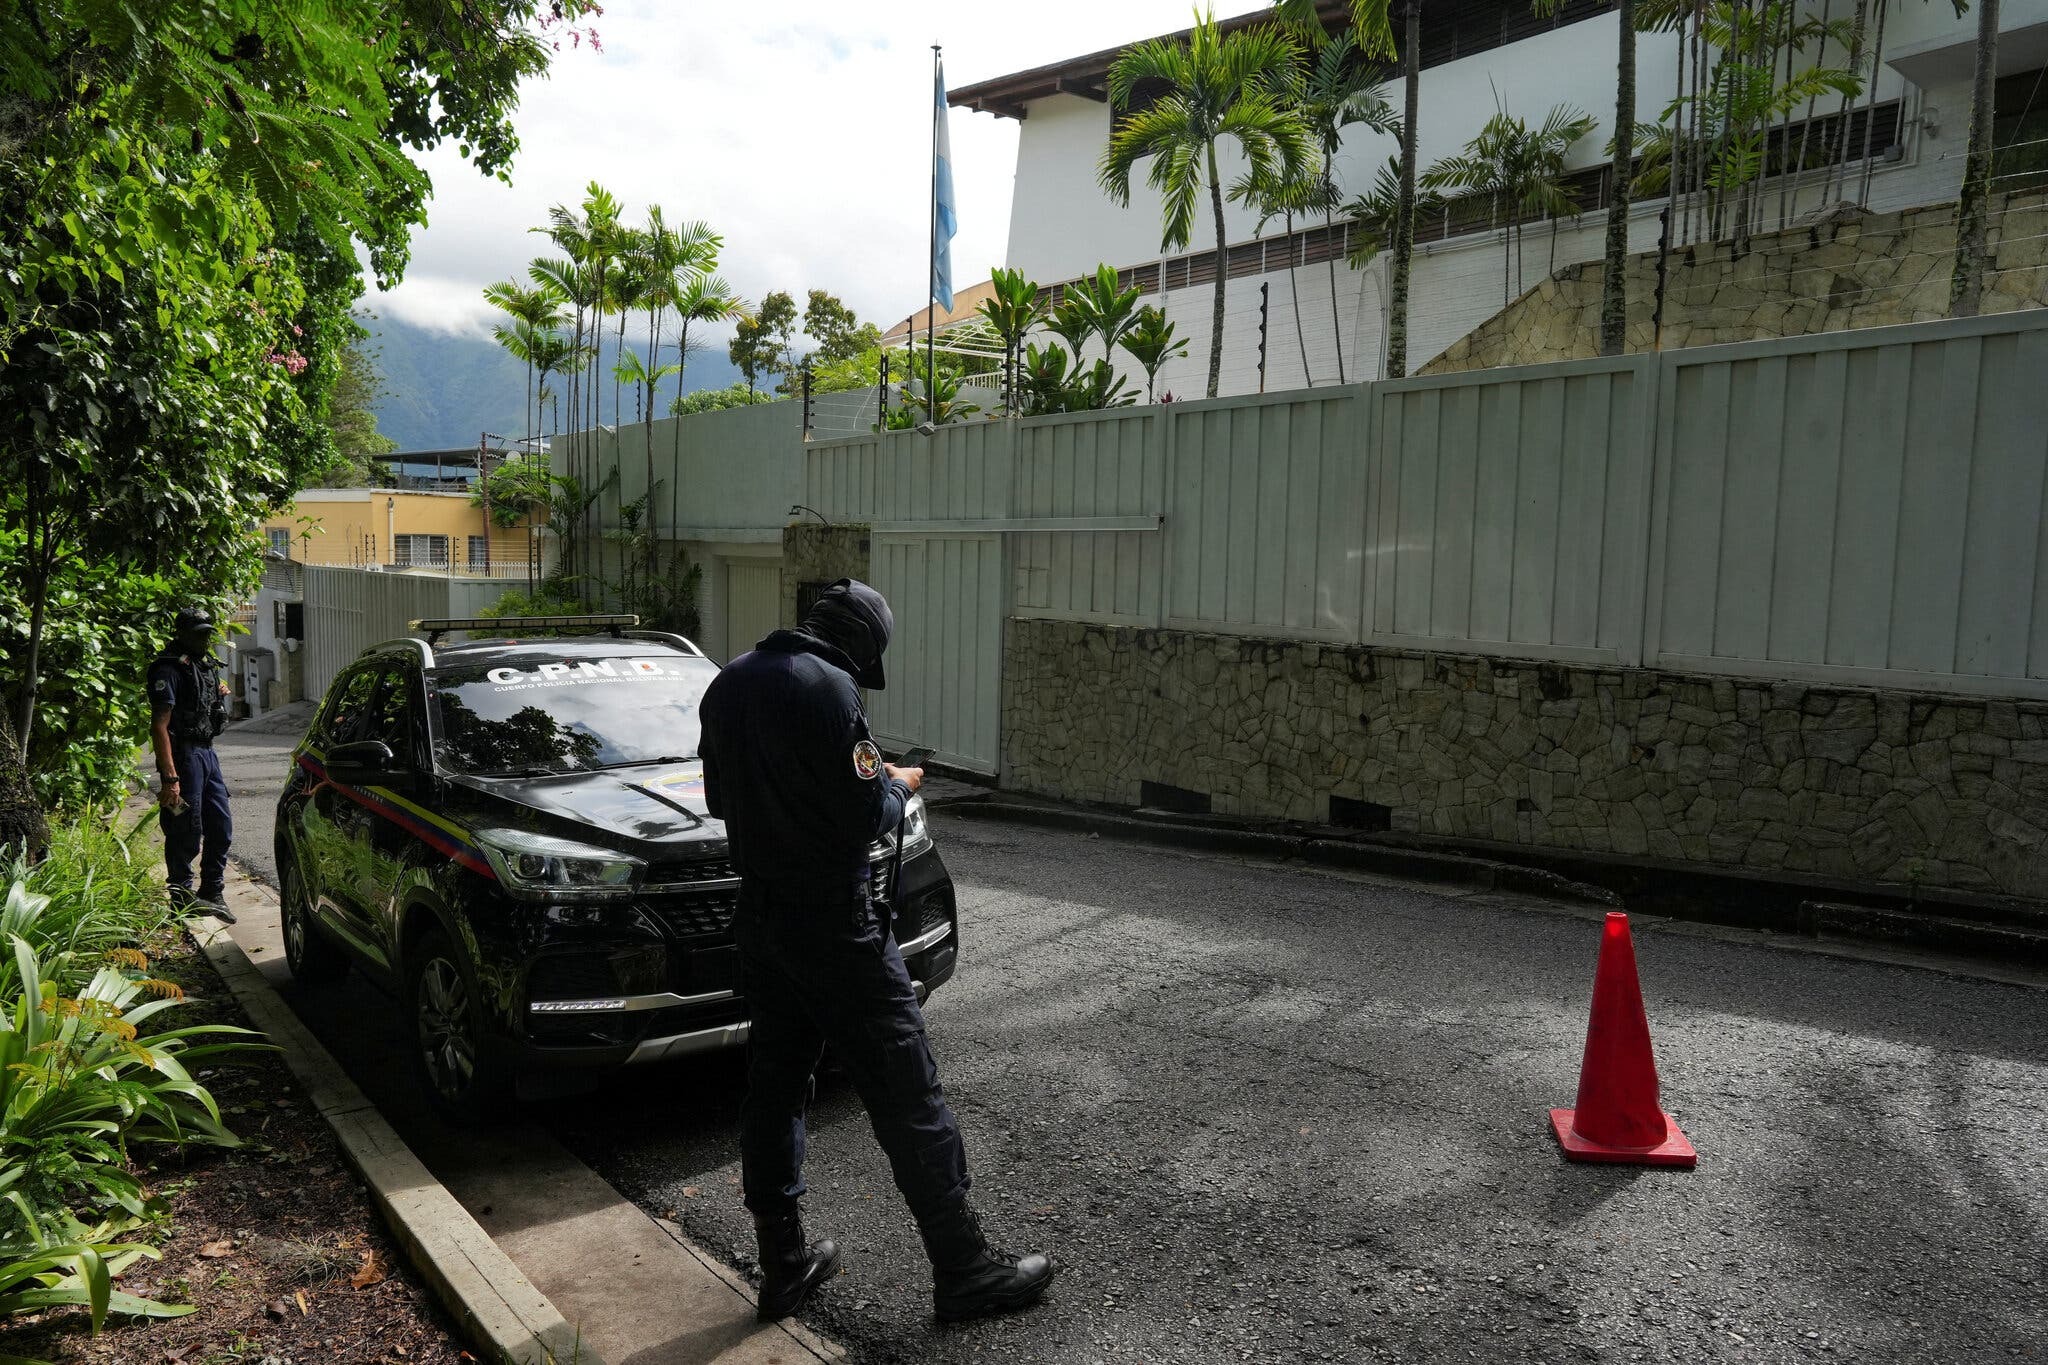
(867, 760)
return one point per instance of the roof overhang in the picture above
(1087, 77)
(1952, 57)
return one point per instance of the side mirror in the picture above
(365, 762)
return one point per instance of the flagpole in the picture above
(931, 283)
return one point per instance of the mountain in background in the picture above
(441, 391)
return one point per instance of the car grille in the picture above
(921, 916)
(688, 914)
(696, 914)
(678, 872)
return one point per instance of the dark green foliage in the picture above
(186, 186)
(88, 1068)
(840, 335)
(1052, 381)
(764, 345)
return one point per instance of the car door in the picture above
(383, 834)
(329, 814)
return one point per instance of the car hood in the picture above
(636, 806)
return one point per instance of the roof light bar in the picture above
(436, 627)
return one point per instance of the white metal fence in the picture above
(1862, 507)
(348, 610)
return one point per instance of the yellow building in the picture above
(395, 529)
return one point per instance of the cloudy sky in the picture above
(800, 129)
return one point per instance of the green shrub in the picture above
(86, 1068)
(80, 1078)
(95, 890)
(553, 598)
(63, 1261)
(718, 400)
(92, 709)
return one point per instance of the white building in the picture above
(1473, 51)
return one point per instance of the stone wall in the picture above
(1868, 270)
(1850, 785)
(815, 553)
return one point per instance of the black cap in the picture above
(855, 619)
(192, 619)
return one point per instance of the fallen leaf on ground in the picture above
(371, 1271)
(304, 1307)
(213, 1251)
(1042, 1210)
(691, 1191)
(275, 1309)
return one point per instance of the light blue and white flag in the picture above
(946, 221)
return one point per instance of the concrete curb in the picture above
(1416, 865)
(494, 1305)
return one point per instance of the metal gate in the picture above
(945, 665)
(753, 604)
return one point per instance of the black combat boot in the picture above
(790, 1267)
(970, 1278)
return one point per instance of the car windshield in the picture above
(540, 716)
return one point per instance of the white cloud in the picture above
(801, 131)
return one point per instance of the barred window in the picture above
(417, 551)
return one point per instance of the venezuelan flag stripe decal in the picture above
(432, 830)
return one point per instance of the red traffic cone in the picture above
(1617, 1118)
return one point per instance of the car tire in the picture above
(445, 1025)
(314, 958)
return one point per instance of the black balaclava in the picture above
(855, 620)
(192, 635)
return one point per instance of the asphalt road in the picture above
(1265, 1113)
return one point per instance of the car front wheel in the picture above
(312, 956)
(444, 1014)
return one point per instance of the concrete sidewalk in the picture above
(634, 1288)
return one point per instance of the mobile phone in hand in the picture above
(916, 758)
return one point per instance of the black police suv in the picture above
(511, 834)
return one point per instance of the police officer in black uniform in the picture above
(791, 768)
(188, 702)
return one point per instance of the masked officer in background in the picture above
(790, 767)
(188, 701)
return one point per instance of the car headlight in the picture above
(542, 867)
(916, 826)
(917, 836)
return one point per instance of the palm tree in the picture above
(1520, 171)
(534, 312)
(1966, 285)
(604, 236)
(674, 263)
(569, 275)
(1342, 91)
(551, 353)
(1404, 216)
(625, 292)
(697, 297)
(1487, 168)
(1372, 28)
(1546, 171)
(1614, 260)
(1218, 86)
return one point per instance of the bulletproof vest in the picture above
(201, 712)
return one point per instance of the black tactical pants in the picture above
(825, 969)
(207, 827)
